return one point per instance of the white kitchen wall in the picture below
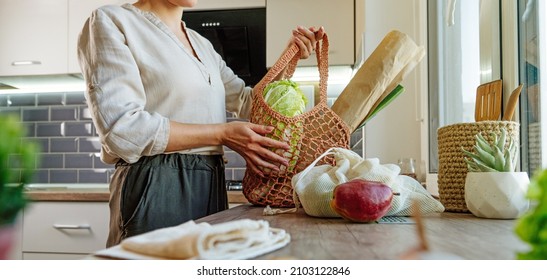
(396, 131)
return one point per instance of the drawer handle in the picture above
(61, 227)
(26, 62)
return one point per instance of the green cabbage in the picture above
(285, 97)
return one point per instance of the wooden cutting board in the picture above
(395, 56)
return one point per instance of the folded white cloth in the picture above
(238, 239)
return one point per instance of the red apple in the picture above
(361, 201)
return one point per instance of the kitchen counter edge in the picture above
(100, 195)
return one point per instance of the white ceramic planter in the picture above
(497, 195)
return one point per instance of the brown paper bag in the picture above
(385, 68)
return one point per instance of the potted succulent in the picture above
(17, 160)
(493, 188)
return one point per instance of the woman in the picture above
(158, 93)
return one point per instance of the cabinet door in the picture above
(34, 36)
(78, 12)
(337, 17)
(65, 227)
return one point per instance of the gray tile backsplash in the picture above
(63, 145)
(19, 100)
(61, 124)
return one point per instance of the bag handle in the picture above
(304, 172)
(268, 211)
(289, 59)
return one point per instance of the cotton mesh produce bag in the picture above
(308, 134)
(314, 186)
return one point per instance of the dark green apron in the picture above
(164, 190)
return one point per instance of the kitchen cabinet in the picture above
(64, 230)
(337, 17)
(39, 37)
(34, 37)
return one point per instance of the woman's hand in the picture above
(306, 38)
(248, 140)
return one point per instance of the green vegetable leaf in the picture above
(388, 99)
(285, 97)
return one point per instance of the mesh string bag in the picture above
(308, 134)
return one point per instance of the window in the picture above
(473, 42)
(464, 52)
(532, 32)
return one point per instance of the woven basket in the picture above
(452, 167)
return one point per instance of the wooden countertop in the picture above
(330, 238)
(96, 194)
(69, 194)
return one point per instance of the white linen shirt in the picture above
(139, 76)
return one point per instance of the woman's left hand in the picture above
(306, 38)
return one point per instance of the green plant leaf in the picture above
(472, 166)
(514, 151)
(532, 226)
(498, 155)
(22, 153)
(501, 140)
(499, 159)
(481, 142)
(487, 158)
(485, 168)
(508, 167)
(471, 155)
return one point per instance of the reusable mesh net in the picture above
(315, 185)
(308, 134)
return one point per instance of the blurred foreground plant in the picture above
(532, 227)
(17, 160)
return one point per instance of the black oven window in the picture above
(232, 44)
(238, 35)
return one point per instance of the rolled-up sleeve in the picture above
(116, 96)
(238, 96)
